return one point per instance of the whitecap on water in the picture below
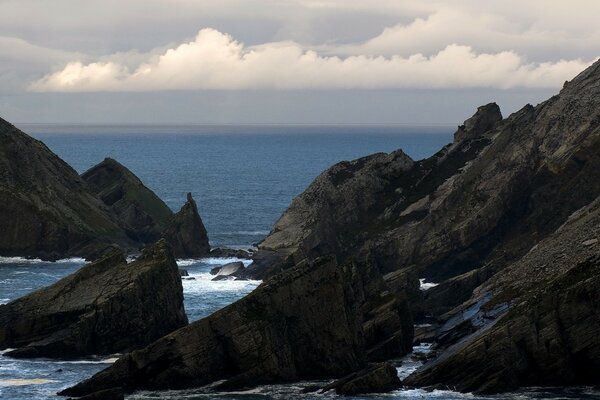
(24, 382)
(23, 260)
(211, 261)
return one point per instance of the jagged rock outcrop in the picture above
(186, 232)
(351, 206)
(46, 209)
(50, 212)
(315, 320)
(105, 307)
(141, 213)
(378, 378)
(548, 328)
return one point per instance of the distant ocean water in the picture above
(243, 178)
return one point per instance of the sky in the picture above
(295, 61)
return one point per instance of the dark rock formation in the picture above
(548, 330)
(106, 307)
(140, 212)
(186, 233)
(183, 272)
(46, 209)
(223, 252)
(378, 378)
(316, 320)
(234, 270)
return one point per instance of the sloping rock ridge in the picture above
(140, 212)
(46, 209)
(186, 232)
(312, 321)
(106, 307)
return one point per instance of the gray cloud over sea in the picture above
(285, 61)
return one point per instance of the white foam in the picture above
(24, 382)
(426, 285)
(4, 301)
(212, 261)
(23, 260)
(203, 283)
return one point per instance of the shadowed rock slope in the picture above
(46, 209)
(50, 212)
(537, 323)
(186, 232)
(141, 213)
(107, 306)
(316, 320)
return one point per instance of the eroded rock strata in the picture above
(316, 320)
(106, 307)
(141, 213)
(46, 209)
(186, 233)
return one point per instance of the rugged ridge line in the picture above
(106, 307)
(312, 321)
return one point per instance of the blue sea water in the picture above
(243, 178)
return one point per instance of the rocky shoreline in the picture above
(504, 223)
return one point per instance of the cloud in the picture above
(214, 60)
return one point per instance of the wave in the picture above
(211, 261)
(24, 382)
(24, 260)
(4, 301)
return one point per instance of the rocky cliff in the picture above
(140, 212)
(46, 209)
(186, 233)
(316, 320)
(106, 307)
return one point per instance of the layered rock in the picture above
(140, 212)
(46, 209)
(315, 320)
(378, 378)
(353, 206)
(105, 307)
(186, 232)
(547, 330)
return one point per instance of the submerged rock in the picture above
(316, 320)
(140, 212)
(106, 307)
(186, 232)
(235, 270)
(378, 378)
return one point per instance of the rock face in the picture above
(106, 307)
(46, 209)
(378, 378)
(312, 321)
(50, 212)
(141, 213)
(548, 330)
(186, 232)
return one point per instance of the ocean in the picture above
(243, 178)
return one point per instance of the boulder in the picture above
(186, 232)
(235, 270)
(141, 213)
(378, 378)
(223, 252)
(106, 307)
(314, 321)
(183, 272)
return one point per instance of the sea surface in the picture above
(243, 178)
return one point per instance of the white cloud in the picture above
(214, 60)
